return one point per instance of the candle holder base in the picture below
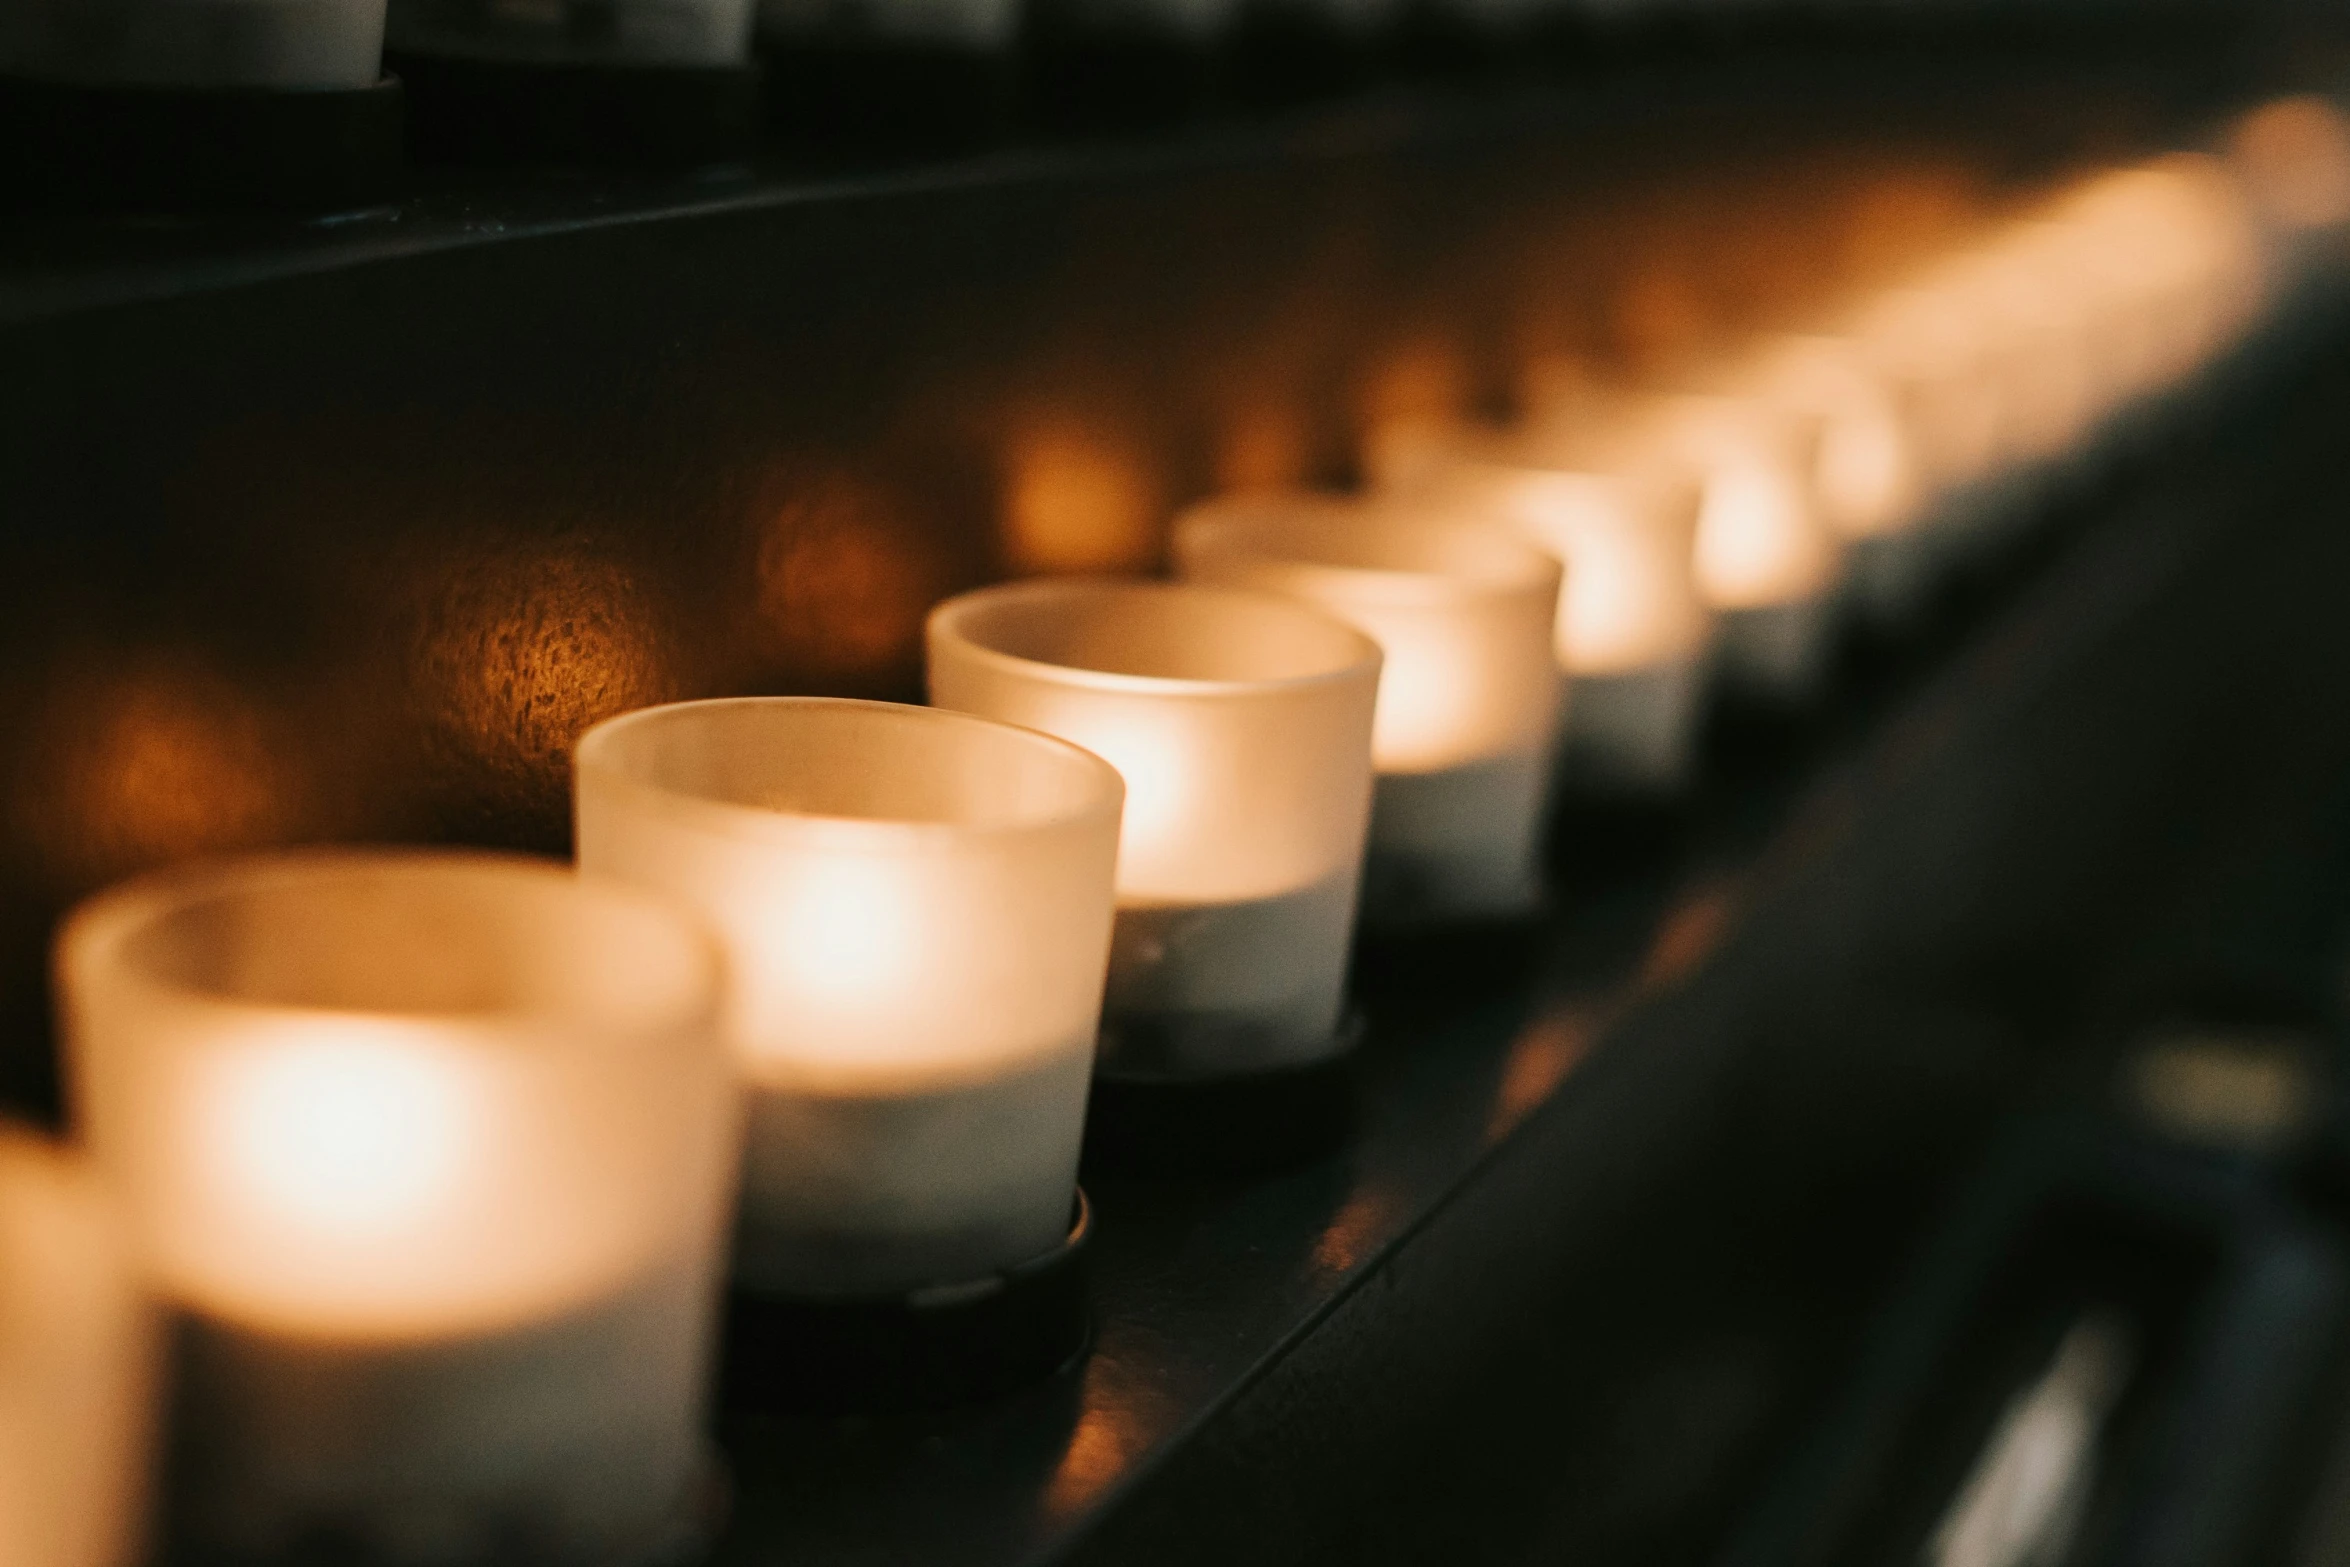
(1236, 1123)
(467, 109)
(73, 147)
(928, 1348)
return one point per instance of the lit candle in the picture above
(292, 44)
(2176, 251)
(1468, 693)
(1242, 726)
(1632, 632)
(1767, 560)
(76, 1368)
(916, 905)
(430, 1153)
(1943, 370)
(1869, 472)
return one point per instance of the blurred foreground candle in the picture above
(290, 44)
(1242, 726)
(430, 1152)
(1468, 692)
(1632, 633)
(916, 905)
(1767, 561)
(76, 1363)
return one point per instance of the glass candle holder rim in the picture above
(96, 942)
(903, 834)
(942, 623)
(1657, 493)
(1532, 572)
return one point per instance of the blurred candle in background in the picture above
(1242, 726)
(1468, 692)
(916, 908)
(1868, 471)
(2179, 262)
(1944, 377)
(430, 1152)
(1632, 632)
(2040, 347)
(288, 44)
(1767, 560)
(77, 1385)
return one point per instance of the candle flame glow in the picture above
(845, 933)
(344, 1137)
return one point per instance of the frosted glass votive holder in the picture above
(1768, 562)
(1468, 693)
(1241, 723)
(916, 909)
(1633, 633)
(77, 1384)
(429, 1152)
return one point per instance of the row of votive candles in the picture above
(434, 1158)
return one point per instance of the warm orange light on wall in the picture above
(1080, 498)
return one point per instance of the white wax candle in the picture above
(431, 1152)
(916, 905)
(1468, 695)
(293, 44)
(1242, 726)
(76, 1368)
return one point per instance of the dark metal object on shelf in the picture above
(925, 1349)
(189, 150)
(468, 109)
